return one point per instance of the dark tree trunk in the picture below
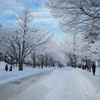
(21, 66)
(34, 62)
(46, 62)
(38, 62)
(86, 62)
(20, 61)
(51, 62)
(71, 60)
(74, 63)
(42, 62)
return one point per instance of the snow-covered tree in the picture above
(89, 38)
(45, 38)
(71, 46)
(75, 12)
(1, 55)
(48, 53)
(20, 41)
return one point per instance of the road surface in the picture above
(61, 84)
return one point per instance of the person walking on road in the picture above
(93, 68)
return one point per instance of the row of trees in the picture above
(80, 19)
(26, 42)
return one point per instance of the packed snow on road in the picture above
(62, 84)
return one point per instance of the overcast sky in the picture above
(42, 15)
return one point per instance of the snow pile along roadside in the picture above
(6, 76)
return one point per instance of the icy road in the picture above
(61, 84)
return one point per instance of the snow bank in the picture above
(6, 76)
(89, 75)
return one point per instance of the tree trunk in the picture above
(49, 62)
(74, 63)
(38, 62)
(86, 62)
(21, 66)
(42, 64)
(46, 62)
(20, 60)
(34, 62)
(71, 60)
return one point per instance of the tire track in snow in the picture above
(67, 87)
(55, 95)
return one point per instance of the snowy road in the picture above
(61, 84)
(12, 89)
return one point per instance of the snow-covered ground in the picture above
(6, 76)
(61, 84)
(64, 84)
